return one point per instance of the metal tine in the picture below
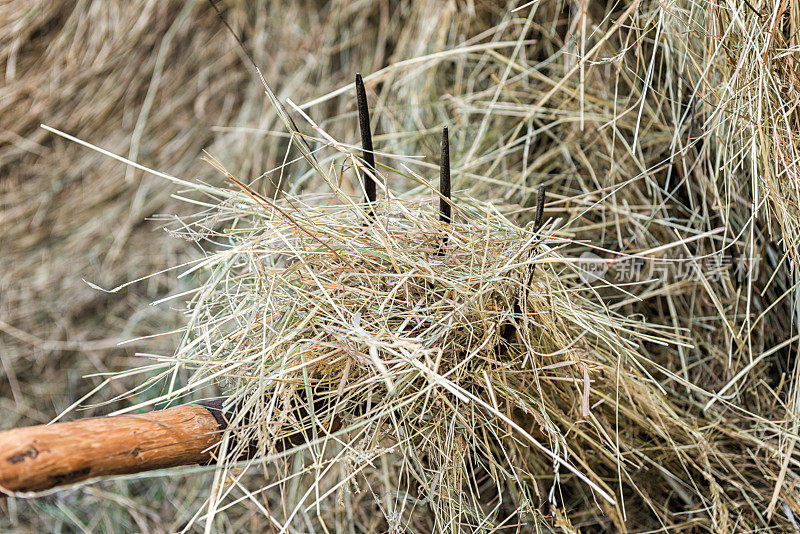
(538, 220)
(367, 152)
(537, 225)
(445, 209)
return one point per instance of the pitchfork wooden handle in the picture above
(42, 457)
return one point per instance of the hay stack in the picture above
(660, 129)
(478, 380)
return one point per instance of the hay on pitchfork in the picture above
(469, 357)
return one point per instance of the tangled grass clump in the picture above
(493, 385)
(400, 372)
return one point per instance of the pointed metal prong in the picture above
(537, 222)
(445, 209)
(367, 152)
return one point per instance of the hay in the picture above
(660, 131)
(491, 383)
(406, 337)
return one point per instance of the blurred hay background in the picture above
(666, 131)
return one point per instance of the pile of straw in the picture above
(474, 362)
(465, 376)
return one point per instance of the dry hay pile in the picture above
(660, 131)
(475, 378)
